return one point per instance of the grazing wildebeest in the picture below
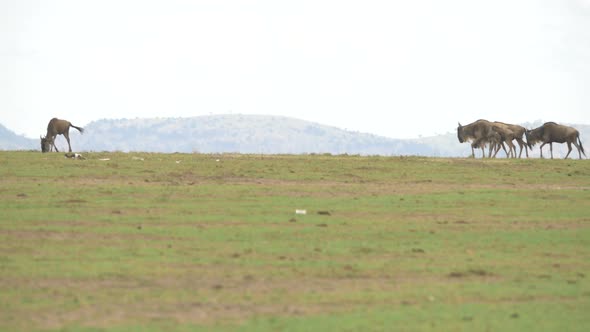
(518, 132)
(551, 132)
(57, 127)
(480, 133)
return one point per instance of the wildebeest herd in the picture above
(482, 132)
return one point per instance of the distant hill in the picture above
(236, 133)
(11, 141)
(252, 134)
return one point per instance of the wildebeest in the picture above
(477, 132)
(518, 132)
(506, 135)
(57, 127)
(551, 132)
(480, 133)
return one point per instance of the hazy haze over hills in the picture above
(250, 134)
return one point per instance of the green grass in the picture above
(194, 242)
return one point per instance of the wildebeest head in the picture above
(533, 136)
(460, 134)
(45, 144)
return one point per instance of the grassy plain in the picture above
(190, 242)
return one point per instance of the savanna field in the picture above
(201, 242)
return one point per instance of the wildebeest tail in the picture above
(80, 129)
(581, 147)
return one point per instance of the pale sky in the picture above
(399, 69)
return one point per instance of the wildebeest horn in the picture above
(459, 124)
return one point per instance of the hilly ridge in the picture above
(11, 141)
(243, 134)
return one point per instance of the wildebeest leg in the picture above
(494, 147)
(577, 147)
(569, 149)
(522, 145)
(507, 152)
(53, 144)
(526, 148)
(551, 149)
(512, 148)
(67, 136)
(501, 145)
(515, 150)
(541, 149)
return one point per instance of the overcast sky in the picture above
(395, 68)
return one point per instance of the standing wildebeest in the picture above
(551, 132)
(506, 135)
(518, 132)
(54, 128)
(480, 132)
